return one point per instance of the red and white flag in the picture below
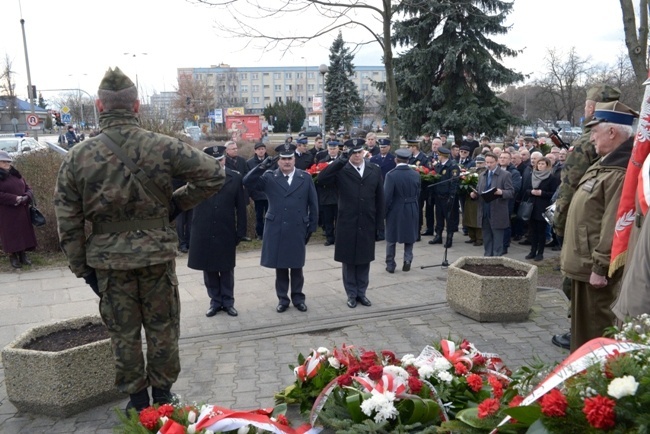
(633, 186)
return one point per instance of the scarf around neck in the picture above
(539, 176)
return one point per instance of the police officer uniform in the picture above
(446, 198)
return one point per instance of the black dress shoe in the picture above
(230, 310)
(427, 233)
(328, 243)
(302, 307)
(245, 239)
(282, 307)
(390, 270)
(436, 240)
(530, 256)
(538, 258)
(469, 241)
(364, 301)
(406, 266)
(419, 238)
(556, 248)
(562, 341)
(525, 242)
(212, 311)
(352, 303)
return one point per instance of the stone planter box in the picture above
(60, 383)
(491, 298)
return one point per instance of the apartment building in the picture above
(258, 86)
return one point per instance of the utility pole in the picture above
(29, 77)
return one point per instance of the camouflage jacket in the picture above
(94, 186)
(582, 154)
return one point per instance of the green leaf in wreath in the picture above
(537, 428)
(354, 407)
(524, 414)
(470, 417)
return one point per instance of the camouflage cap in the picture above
(603, 93)
(115, 80)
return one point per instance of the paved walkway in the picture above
(241, 362)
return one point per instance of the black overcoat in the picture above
(215, 224)
(360, 210)
(292, 213)
(401, 190)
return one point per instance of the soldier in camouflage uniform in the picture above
(129, 257)
(582, 154)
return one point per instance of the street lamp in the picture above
(134, 55)
(323, 70)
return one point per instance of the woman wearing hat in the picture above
(16, 231)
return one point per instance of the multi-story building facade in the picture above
(258, 86)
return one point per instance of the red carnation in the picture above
(415, 384)
(600, 412)
(465, 345)
(475, 382)
(460, 368)
(497, 387)
(149, 418)
(375, 372)
(389, 356)
(413, 371)
(554, 404)
(165, 410)
(514, 402)
(282, 420)
(488, 407)
(344, 380)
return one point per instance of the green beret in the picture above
(603, 93)
(115, 80)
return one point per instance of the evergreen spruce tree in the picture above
(343, 103)
(447, 76)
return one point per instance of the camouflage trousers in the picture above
(130, 300)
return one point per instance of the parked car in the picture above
(311, 131)
(15, 146)
(541, 132)
(358, 132)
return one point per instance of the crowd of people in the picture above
(355, 189)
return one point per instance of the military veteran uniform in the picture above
(129, 258)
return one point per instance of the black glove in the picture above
(345, 156)
(91, 280)
(307, 237)
(174, 210)
(268, 162)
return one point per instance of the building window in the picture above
(364, 87)
(266, 74)
(221, 76)
(244, 76)
(278, 99)
(300, 87)
(245, 100)
(310, 87)
(289, 98)
(244, 88)
(256, 100)
(255, 76)
(298, 74)
(209, 75)
(310, 75)
(277, 75)
(277, 87)
(375, 73)
(287, 87)
(232, 89)
(256, 88)
(267, 86)
(287, 75)
(267, 98)
(221, 88)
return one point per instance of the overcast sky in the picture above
(71, 43)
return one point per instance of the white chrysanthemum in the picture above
(445, 376)
(397, 371)
(381, 404)
(623, 386)
(426, 371)
(441, 364)
(323, 350)
(334, 362)
(408, 359)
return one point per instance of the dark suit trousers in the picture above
(221, 287)
(261, 206)
(282, 285)
(355, 279)
(492, 239)
(329, 217)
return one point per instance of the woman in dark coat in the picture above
(215, 225)
(542, 188)
(16, 231)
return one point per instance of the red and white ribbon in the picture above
(217, 419)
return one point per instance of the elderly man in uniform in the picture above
(129, 259)
(371, 144)
(591, 221)
(401, 192)
(259, 199)
(290, 221)
(360, 217)
(581, 155)
(445, 197)
(215, 226)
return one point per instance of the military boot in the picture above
(437, 239)
(138, 401)
(162, 396)
(24, 258)
(450, 237)
(15, 261)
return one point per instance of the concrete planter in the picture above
(59, 383)
(489, 298)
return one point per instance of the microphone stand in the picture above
(451, 201)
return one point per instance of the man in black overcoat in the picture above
(259, 198)
(360, 217)
(215, 224)
(291, 219)
(235, 162)
(328, 197)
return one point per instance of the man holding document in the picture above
(494, 190)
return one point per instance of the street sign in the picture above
(65, 109)
(66, 117)
(32, 120)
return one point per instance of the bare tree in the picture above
(7, 86)
(375, 17)
(194, 98)
(636, 37)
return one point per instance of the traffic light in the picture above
(31, 92)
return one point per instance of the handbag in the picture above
(37, 217)
(525, 210)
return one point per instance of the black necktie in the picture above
(489, 183)
(286, 178)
